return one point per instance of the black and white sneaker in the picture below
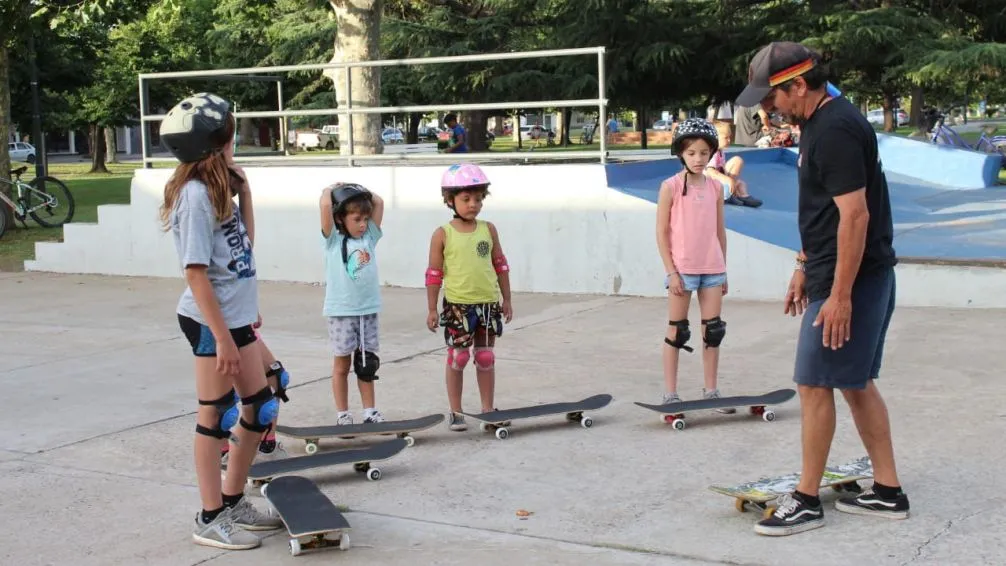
(792, 516)
(869, 503)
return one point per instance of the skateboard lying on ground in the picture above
(674, 413)
(312, 434)
(361, 458)
(757, 494)
(498, 421)
(307, 514)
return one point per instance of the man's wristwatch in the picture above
(801, 264)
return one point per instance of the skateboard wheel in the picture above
(502, 433)
(767, 512)
(310, 447)
(484, 427)
(344, 541)
(586, 422)
(741, 505)
(768, 415)
(373, 474)
(678, 424)
(409, 441)
(294, 547)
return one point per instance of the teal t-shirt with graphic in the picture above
(352, 288)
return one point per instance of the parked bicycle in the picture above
(46, 199)
(943, 134)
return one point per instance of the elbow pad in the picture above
(500, 264)
(434, 277)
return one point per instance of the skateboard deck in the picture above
(499, 421)
(308, 515)
(758, 493)
(263, 472)
(312, 434)
(674, 413)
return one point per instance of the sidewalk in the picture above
(97, 461)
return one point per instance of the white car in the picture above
(21, 151)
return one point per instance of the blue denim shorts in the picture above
(700, 281)
(859, 360)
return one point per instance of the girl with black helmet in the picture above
(217, 312)
(351, 219)
(692, 240)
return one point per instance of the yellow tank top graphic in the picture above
(469, 277)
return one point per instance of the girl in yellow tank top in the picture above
(467, 259)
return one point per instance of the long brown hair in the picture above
(213, 171)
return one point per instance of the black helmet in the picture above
(695, 128)
(194, 127)
(342, 193)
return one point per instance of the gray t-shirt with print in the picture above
(226, 251)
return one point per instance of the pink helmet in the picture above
(463, 176)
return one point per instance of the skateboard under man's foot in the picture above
(498, 421)
(312, 434)
(308, 515)
(361, 458)
(758, 493)
(674, 413)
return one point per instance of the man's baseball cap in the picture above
(773, 65)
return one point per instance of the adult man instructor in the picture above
(843, 284)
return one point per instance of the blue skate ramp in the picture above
(932, 222)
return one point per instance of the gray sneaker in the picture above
(456, 422)
(246, 516)
(669, 398)
(278, 453)
(715, 394)
(223, 533)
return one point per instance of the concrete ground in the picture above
(99, 397)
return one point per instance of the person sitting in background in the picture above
(727, 172)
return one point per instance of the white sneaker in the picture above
(372, 416)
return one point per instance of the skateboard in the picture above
(312, 434)
(674, 413)
(499, 421)
(263, 472)
(757, 494)
(308, 515)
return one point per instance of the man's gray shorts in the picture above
(859, 360)
(346, 334)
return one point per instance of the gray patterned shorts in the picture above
(346, 332)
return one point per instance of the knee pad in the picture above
(681, 336)
(282, 379)
(484, 358)
(716, 329)
(265, 407)
(227, 416)
(457, 358)
(366, 365)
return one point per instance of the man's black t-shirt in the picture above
(838, 155)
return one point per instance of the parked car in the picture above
(876, 117)
(392, 135)
(21, 151)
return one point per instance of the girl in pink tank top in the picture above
(692, 240)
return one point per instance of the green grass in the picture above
(89, 191)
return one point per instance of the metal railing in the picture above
(349, 110)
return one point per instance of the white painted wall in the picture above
(562, 229)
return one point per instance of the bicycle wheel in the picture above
(49, 213)
(5, 215)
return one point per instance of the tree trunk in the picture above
(97, 150)
(110, 148)
(4, 122)
(358, 39)
(475, 129)
(412, 136)
(567, 117)
(887, 102)
(918, 101)
(641, 126)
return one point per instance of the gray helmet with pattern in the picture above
(195, 127)
(695, 128)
